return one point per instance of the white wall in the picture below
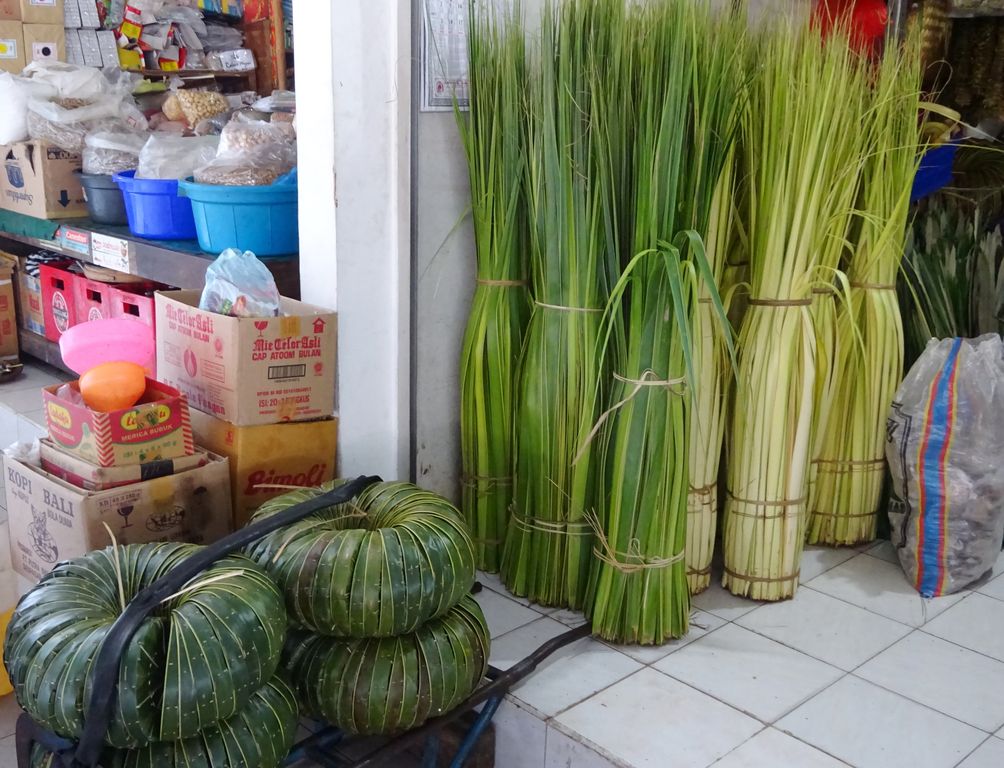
(353, 116)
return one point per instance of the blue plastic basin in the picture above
(154, 208)
(260, 219)
(935, 170)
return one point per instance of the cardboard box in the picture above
(59, 300)
(38, 180)
(248, 371)
(88, 9)
(45, 42)
(29, 299)
(301, 454)
(157, 428)
(83, 474)
(108, 47)
(51, 521)
(11, 47)
(33, 11)
(8, 313)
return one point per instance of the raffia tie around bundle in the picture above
(648, 379)
(501, 283)
(872, 286)
(553, 527)
(847, 467)
(632, 561)
(783, 505)
(780, 303)
(485, 482)
(562, 308)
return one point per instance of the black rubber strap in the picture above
(105, 672)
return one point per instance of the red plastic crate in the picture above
(93, 300)
(135, 301)
(58, 300)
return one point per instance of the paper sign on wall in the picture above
(444, 55)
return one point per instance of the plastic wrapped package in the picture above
(945, 440)
(257, 166)
(195, 106)
(174, 157)
(15, 93)
(66, 122)
(279, 101)
(221, 37)
(69, 80)
(243, 135)
(109, 152)
(240, 285)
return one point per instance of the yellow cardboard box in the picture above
(11, 47)
(299, 453)
(44, 42)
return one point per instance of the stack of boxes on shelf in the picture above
(31, 30)
(86, 42)
(136, 470)
(262, 391)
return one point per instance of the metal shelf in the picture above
(180, 264)
(42, 349)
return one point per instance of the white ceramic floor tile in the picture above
(990, 754)
(825, 628)
(994, 585)
(722, 603)
(700, 624)
(884, 550)
(9, 713)
(503, 614)
(817, 560)
(22, 400)
(750, 672)
(880, 587)
(869, 727)
(8, 753)
(565, 752)
(976, 623)
(650, 720)
(521, 642)
(520, 737)
(772, 749)
(565, 616)
(494, 583)
(8, 426)
(28, 429)
(572, 674)
(944, 676)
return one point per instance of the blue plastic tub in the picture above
(262, 219)
(155, 209)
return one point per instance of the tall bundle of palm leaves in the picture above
(493, 134)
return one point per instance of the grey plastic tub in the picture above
(105, 203)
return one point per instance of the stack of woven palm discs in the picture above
(380, 588)
(197, 683)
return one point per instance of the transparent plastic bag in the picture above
(279, 101)
(15, 93)
(109, 152)
(240, 285)
(165, 156)
(66, 121)
(195, 106)
(945, 440)
(244, 135)
(256, 165)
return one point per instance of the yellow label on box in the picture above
(8, 49)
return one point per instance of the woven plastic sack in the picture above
(945, 444)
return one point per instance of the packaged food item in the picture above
(108, 152)
(174, 157)
(195, 106)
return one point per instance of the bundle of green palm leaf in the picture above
(795, 172)
(869, 365)
(954, 275)
(688, 79)
(494, 142)
(572, 181)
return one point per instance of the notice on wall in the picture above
(111, 252)
(444, 55)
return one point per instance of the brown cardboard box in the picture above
(38, 180)
(291, 454)
(33, 11)
(50, 520)
(248, 371)
(44, 42)
(91, 477)
(11, 47)
(157, 428)
(8, 314)
(29, 294)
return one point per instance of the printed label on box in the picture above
(45, 51)
(8, 48)
(75, 240)
(111, 252)
(60, 311)
(43, 3)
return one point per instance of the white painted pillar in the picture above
(353, 78)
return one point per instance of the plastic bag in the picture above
(279, 101)
(195, 106)
(254, 167)
(174, 157)
(65, 122)
(243, 135)
(69, 80)
(945, 440)
(15, 93)
(240, 285)
(108, 152)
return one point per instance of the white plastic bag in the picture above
(175, 157)
(69, 81)
(945, 443)
(240, 285)
(109, 152)
(15, 93)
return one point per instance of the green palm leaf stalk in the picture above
(573, 266)
(494, 141)
(870, 361)
(798, 96)
(688, 83)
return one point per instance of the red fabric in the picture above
(867, 20)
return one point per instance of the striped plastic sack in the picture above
(945, 446)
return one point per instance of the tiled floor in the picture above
(857, 670)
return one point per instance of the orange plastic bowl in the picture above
(113, 386)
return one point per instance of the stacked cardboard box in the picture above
(262, 391)
(31, 30)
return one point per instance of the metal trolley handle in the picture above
(105, 672)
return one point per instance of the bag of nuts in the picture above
(195, 106)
